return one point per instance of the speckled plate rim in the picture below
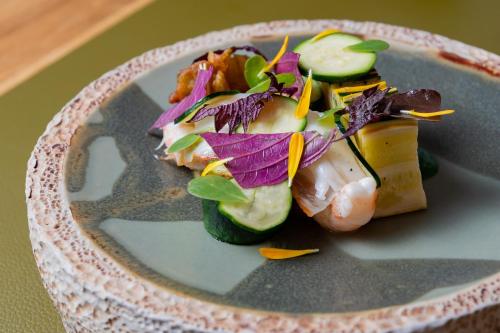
(93, 292)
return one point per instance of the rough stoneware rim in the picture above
(93, 292)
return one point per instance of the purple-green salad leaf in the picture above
(289, 63)
(242, 111)
(248, 48)
(369, 107)
(375, 105)
(199, 91)
(421, 100)
(262, 159)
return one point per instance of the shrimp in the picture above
(336, 190)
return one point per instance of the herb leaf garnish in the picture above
(262, 159)
(183, 143)
(286, 78)
(253, 67)
(244, 110)
(216, 188)
(372, 45)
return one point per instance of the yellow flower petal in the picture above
(343, 90)
(278, 254)
(350, 97)
(295, 150)
(427, 114)
(305, 98)
(277, 57)
(324, 33)
(213, 165)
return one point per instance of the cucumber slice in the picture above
(357, 153)
(330, 61)
(217, 98)
(268, 208)
(278, 116)
(221, 228)
(428, 165)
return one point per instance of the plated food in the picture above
(317, 124)
(106, 215)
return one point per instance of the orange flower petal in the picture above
(213, 165)
(277, 57)
(324, 33)
(343, 90)
(295, 150)
(305, 98)
(428, 114)
(279, 254)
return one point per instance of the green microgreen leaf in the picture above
(328, 117)
(216, 188)
(253, 67)
(286, 78)
(373, 45)
(183, 143)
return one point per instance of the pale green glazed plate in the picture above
(137, 208)
(120, 244)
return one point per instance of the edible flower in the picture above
(427, 114)
(276, 58)
(305, 98)
(343, 90)
(280, 254)
(295, 150)
(212, 165)
(324, 33)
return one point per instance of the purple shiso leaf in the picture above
(199, 91)
(367, 108)
(262, 159)
(248, 48)
(420, 100)
(374, 105)
(242, 111)
(289, 64)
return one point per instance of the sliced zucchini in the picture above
(390, 147)
(428, 165)
(217, 98)
(221, 228)
(268, 208)
(278, 116)
(357, 153)
(330, 61)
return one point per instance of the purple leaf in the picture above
(421, 100)
(367, 108)
(248, 48)
(199, 91)
(262, 159)
(242, 111)
(374, 105)
(289, 64)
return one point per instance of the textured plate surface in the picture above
(136, 216)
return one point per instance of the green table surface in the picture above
(25, 111)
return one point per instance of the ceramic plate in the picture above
(105, 214)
